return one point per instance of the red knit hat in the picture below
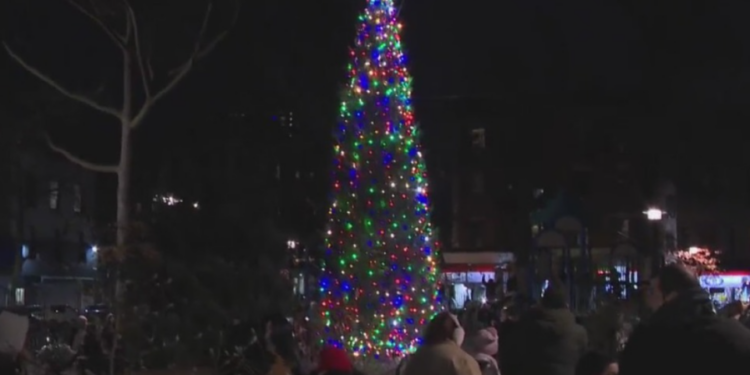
(334, 359)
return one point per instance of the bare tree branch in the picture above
(76, 160)
(199, 50)
(46, 79)
(119, 40)
(145, 81)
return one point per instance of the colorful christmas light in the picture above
(380, 279)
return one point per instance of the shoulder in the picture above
(729, 331)
(465, 364)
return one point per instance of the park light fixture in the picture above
(654, 214)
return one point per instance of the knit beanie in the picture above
(334, 359)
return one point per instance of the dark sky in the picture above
(675, 70)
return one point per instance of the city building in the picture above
(52, 230)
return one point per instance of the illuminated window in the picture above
(54, 195)
(20, 296)
(77, 199)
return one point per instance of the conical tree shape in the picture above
(380, 281)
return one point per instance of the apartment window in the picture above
(478, 138)
(54, 195)
(20, 296)
(30, 191)
(477, 185)
(77, 199)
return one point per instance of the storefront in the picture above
(474, 277)
(727, 287)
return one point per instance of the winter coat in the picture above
(483, 347)
(446, 358)
(686, 337)
(549, 342)
(507, 334)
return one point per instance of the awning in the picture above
(478, 258)
(459, 268)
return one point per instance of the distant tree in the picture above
(702, 261)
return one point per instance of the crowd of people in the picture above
(683, 335)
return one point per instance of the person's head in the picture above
(554, 298)
(485, 341)
(82, 322)
(595, 363)
(734, 310)
(443, 327)
(669, 282)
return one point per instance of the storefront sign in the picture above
(468, 277)
(724, 281)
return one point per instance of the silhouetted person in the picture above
(549, 341)
(684, 335)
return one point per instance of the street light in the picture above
(654, 214)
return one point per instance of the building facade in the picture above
(52, 243)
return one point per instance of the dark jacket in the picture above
(686, 337)
(507, 336)
(550, 342)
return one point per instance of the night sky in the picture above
(674, 76)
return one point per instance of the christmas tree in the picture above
(380, 281)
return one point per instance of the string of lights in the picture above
(380, 279)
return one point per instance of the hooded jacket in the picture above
(483, 347)
(446, 358)
(550, 342)
(686, 337)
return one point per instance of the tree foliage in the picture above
(700, 260)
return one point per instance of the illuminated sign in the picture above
(467, 277)
(724, 281)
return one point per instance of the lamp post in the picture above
(655, 215)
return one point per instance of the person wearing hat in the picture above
(440, 352)
(483, 347)
(334, 361)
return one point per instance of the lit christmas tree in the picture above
(380, 281)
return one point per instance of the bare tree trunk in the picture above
(130, 115)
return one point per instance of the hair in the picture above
(593, 363)
(440, 328)
(554, 298)
(676, 278)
